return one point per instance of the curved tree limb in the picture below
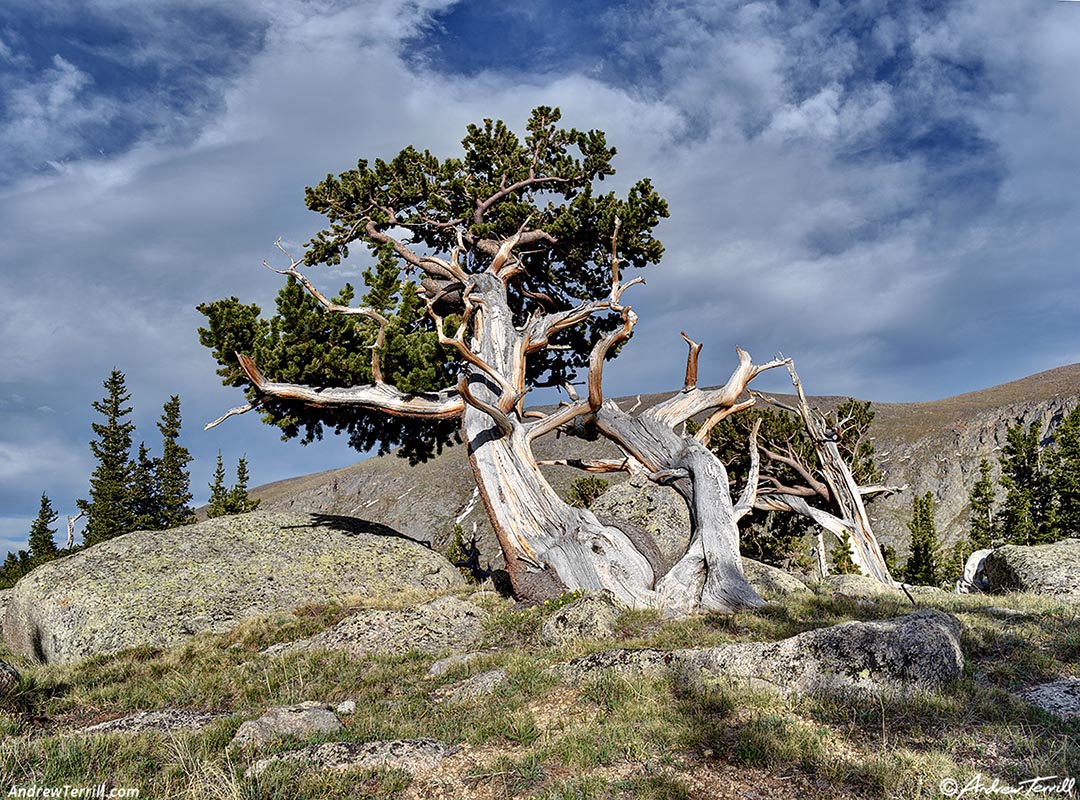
(445, 404)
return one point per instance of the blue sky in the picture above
(885, 191)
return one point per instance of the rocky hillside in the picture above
(933, 446)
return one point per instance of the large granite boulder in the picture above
(1049, 569)
(916, 651)
(594, 616)
(660, 510)
(772, 583)
(158, 588)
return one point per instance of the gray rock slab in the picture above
(165, 720)
(444, 665)
(593, 616)
(916, 651)
(411, 755)
(1060, 698)
(475, 688)
(771, 582)
(660, 510)
(301, 720)
(856, 586)
(444, 625)
(1047, 569)
(160, 587)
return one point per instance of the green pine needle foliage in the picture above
(476, 194)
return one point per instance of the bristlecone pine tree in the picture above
(108, 511)
(42, 544)
(494, 272)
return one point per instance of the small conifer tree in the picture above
(981, 514)
(219, 495)
(108, 510)
(1065, 475)
(173, 478)
(143, 495)
(923, 566)
(843, 562)
(42, 544)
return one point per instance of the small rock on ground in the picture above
(474, 688)
(411, 755)
(9, 679)
(1060, 698)
(300, 720)
(444, 665)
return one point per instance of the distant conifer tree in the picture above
(42, 544)
(923, 567)
(144, 495)
(219, 495)
(239, 502)
(1065, 475)
(843, 562)
(108, 510)
(981, 509)
(1028, 515)
(173, 478)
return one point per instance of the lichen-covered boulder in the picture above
(594, 616)
(158, 588)
(916, 651)
(302, 720)
(771, 582)
(444, 625)
(1047, 569)
(660, 510)
(856, 586)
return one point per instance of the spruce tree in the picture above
(1028, 515)
(981, 509)
(144, 496)
(173, 478)
(1065, 474)
(238, 500)
(922, 567)
(219, 495)
(843, 562)
(42, 544)
(108, 510)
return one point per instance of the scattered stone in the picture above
(1047, 569)
(9, 680)
(444, 625)
(856, 586)
(300, 720)
(444, 665)
(346, 707)
(919, 650)
(999, 612)
(1060, 698)
(474, 688)
(167, 719)
(927, 594)
(411, 755)
(770, 582)
(160, 587)
(659, 510)
(594, 616)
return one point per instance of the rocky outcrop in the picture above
(410, 755)
(302, 720)
(1047, 569)
(475, 688)
(166, 720)
(594, 616)
(445, 625)
(916, 651)
(1060, 698)
(770, 582)
(158, 588)
(659, 510)
(9, 680)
